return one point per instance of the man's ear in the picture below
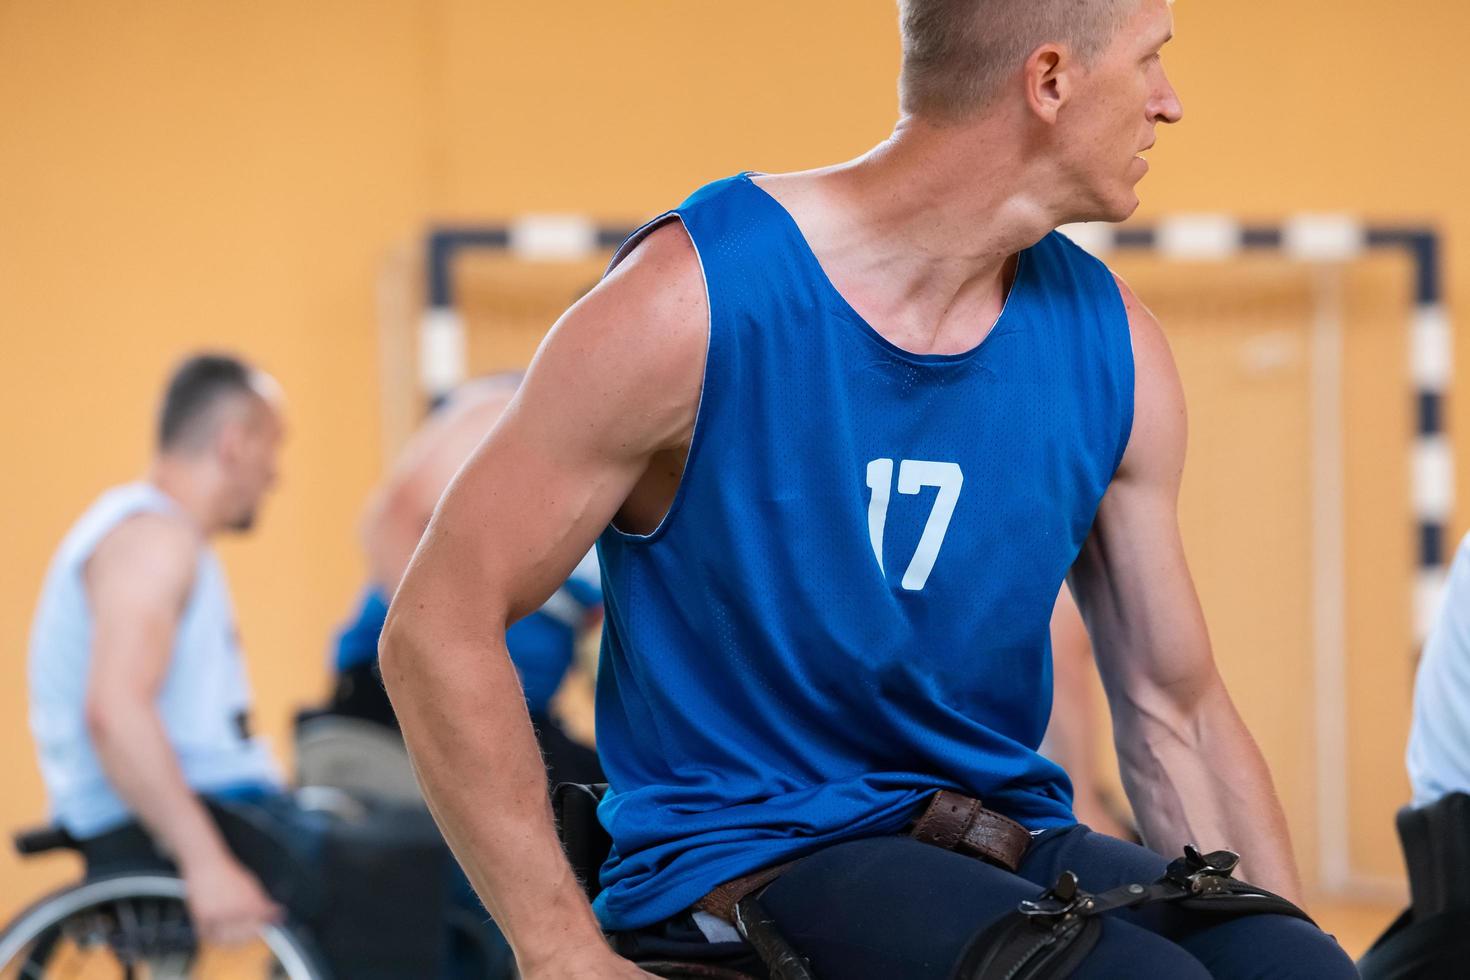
(1048, 80)
(229, 440)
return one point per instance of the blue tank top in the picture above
(847, 605)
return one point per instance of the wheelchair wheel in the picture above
(136, 927)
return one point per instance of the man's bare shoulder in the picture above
(1157, 444)
(149, 553)
(1140, 318)
(662, 281)
(630, 354)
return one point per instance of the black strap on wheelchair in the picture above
(1047, 937)
(758, 928)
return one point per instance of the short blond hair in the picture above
(957, 54)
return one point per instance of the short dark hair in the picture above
(197, 386)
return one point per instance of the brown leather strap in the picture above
(952, 821)
(722, 901)
(960, 823)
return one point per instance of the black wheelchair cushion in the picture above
(583, 838)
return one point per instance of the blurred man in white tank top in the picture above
(139, 697)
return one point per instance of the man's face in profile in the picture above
(254, 459)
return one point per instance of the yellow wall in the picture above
(179, 173)
(175, 174)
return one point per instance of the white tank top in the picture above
(203, 702)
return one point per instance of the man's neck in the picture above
(186, 483)
(923, 229)
(966, 196)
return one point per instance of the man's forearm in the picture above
(1201, 780)
(465, 722)
(139, 762)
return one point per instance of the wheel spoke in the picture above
(136, 928)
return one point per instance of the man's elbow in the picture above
(423, 657)
(108, 717)
(410, 649)
(397, 652)
(98, 721)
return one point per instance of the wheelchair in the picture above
(378, 910)
(135, 926)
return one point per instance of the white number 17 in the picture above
(913, 474)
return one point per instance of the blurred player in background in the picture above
(542, 644)
(139, 699)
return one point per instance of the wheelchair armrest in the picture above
(39, 840)
(583, 838)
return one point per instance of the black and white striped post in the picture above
(1336, 239)
(1331, 240)
(546, 238)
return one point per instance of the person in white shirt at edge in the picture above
(139, 698)
(1439, 740)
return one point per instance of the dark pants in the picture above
(891, 908)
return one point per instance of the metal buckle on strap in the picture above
(1202, 874)
(1059, 901)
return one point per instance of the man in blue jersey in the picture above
(542, 645)
(841, 435)
(138, 694)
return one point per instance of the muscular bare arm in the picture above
(137, 583)
(612, 392)
(1192, 771)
